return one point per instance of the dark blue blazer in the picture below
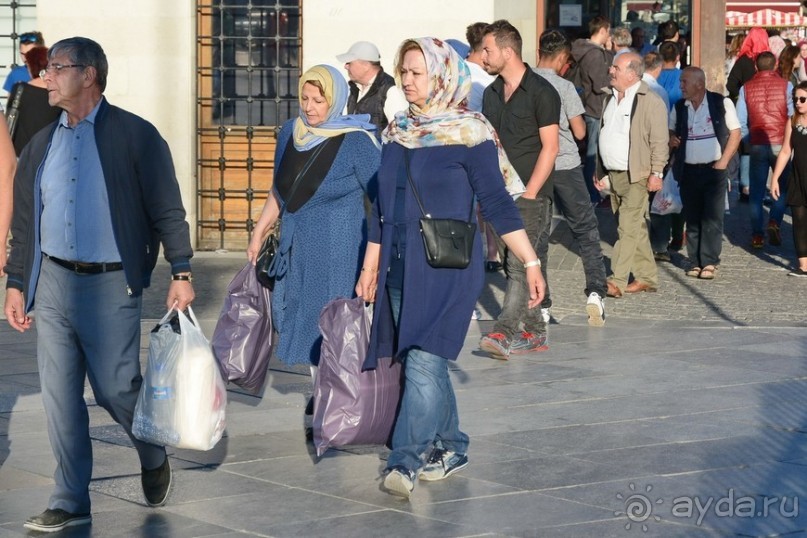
(437, 303)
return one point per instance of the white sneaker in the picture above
(476, 314)
(595, 310)
(400, 482)
(546, 315)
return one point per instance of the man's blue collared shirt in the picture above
(76, 224)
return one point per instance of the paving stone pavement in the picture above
(684, 416)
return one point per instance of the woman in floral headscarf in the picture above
(422, 313)
(324, 162)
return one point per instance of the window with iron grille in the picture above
(248, 65)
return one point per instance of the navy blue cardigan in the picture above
(437, 303)
(144, 201)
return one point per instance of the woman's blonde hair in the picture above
(735, 45)
(406, 46)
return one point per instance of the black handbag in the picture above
(266, 256)
(266, 266)
(449, 243)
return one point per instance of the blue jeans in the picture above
(87, 325)
(537, 216)
(428, 415)
(590, 165)
(763, 159)
(745, 171)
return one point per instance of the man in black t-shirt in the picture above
(524, 108)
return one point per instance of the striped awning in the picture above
(764, 18)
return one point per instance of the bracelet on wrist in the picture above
(533, 263)
(186, 277)
(368, 270)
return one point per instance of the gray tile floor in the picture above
(683, 416)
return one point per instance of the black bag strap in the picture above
(302, 174)
(14, 108)
(415, 192)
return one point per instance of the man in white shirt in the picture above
(633, 150)
(372, 91)
(705, 131)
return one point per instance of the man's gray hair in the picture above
(621, 37)
(636, 64)
(85, 52)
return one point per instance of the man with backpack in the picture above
(592, 58)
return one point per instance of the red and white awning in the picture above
(764, 18)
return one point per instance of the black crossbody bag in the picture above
(449, 243)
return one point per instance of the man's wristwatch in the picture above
(187, 277)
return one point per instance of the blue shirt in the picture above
(670, 80)
(18, 74)
(76, 223)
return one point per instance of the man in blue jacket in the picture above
(94, 196)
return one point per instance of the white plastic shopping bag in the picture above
(183, 397)
(668, 199)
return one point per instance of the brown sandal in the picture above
(694, 272)
(708, 273)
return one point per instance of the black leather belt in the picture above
(87, 268)
(701, 165)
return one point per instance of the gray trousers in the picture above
(87, 326)
(537, 217)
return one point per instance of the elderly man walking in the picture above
(94, 197)
(633, 150)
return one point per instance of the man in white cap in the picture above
(372, 91)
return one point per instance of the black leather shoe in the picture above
(156, 484)
(309, 407)
(56, 520)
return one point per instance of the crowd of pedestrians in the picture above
(457, 130)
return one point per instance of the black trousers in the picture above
(703, 193)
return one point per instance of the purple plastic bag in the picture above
(242, 340)
(352, 407)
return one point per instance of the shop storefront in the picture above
(701, 23)
(573, 15)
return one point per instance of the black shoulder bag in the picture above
(265, 267)
(449, 243)
(14, 108)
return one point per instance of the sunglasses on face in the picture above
(801, 99)
(27, 38)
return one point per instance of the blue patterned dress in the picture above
(328, 236)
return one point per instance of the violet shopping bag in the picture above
(242, 340)
(352, 407)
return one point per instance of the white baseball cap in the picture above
(360, 50)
